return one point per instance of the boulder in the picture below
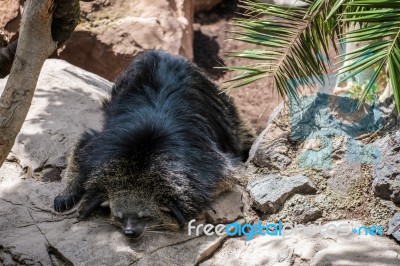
(9, 20)
(333, 119)
(386, 173)
(271, 149)
(269, 192)
(111, 33)
(323, 127)
(394, 226)
(327, 139)
(66, 102)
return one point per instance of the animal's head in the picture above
(138, 214)
(147, 187)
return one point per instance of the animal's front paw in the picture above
(64, 202)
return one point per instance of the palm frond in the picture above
(376, 22)
(294, 43)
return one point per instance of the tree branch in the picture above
(35, 45)
(65, 19)
(45, 23)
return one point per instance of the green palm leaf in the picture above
(296, 39)
(294, 42)
(378, 22)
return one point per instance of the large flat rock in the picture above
(111, 33)
(269, 192)
(66, 102)
(32, 234)
(302, 249)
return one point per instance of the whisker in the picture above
(168, 224)
(154, 226)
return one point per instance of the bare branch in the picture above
(35, 45)
(65, 19)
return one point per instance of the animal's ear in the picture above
(89, 203)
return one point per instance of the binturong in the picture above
(169, 146)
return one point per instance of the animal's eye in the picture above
(143, 215)
(118, 217)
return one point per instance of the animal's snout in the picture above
(133, 229)
(132, 233)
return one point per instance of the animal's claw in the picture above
(63, 203)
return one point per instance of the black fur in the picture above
(169, 131)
